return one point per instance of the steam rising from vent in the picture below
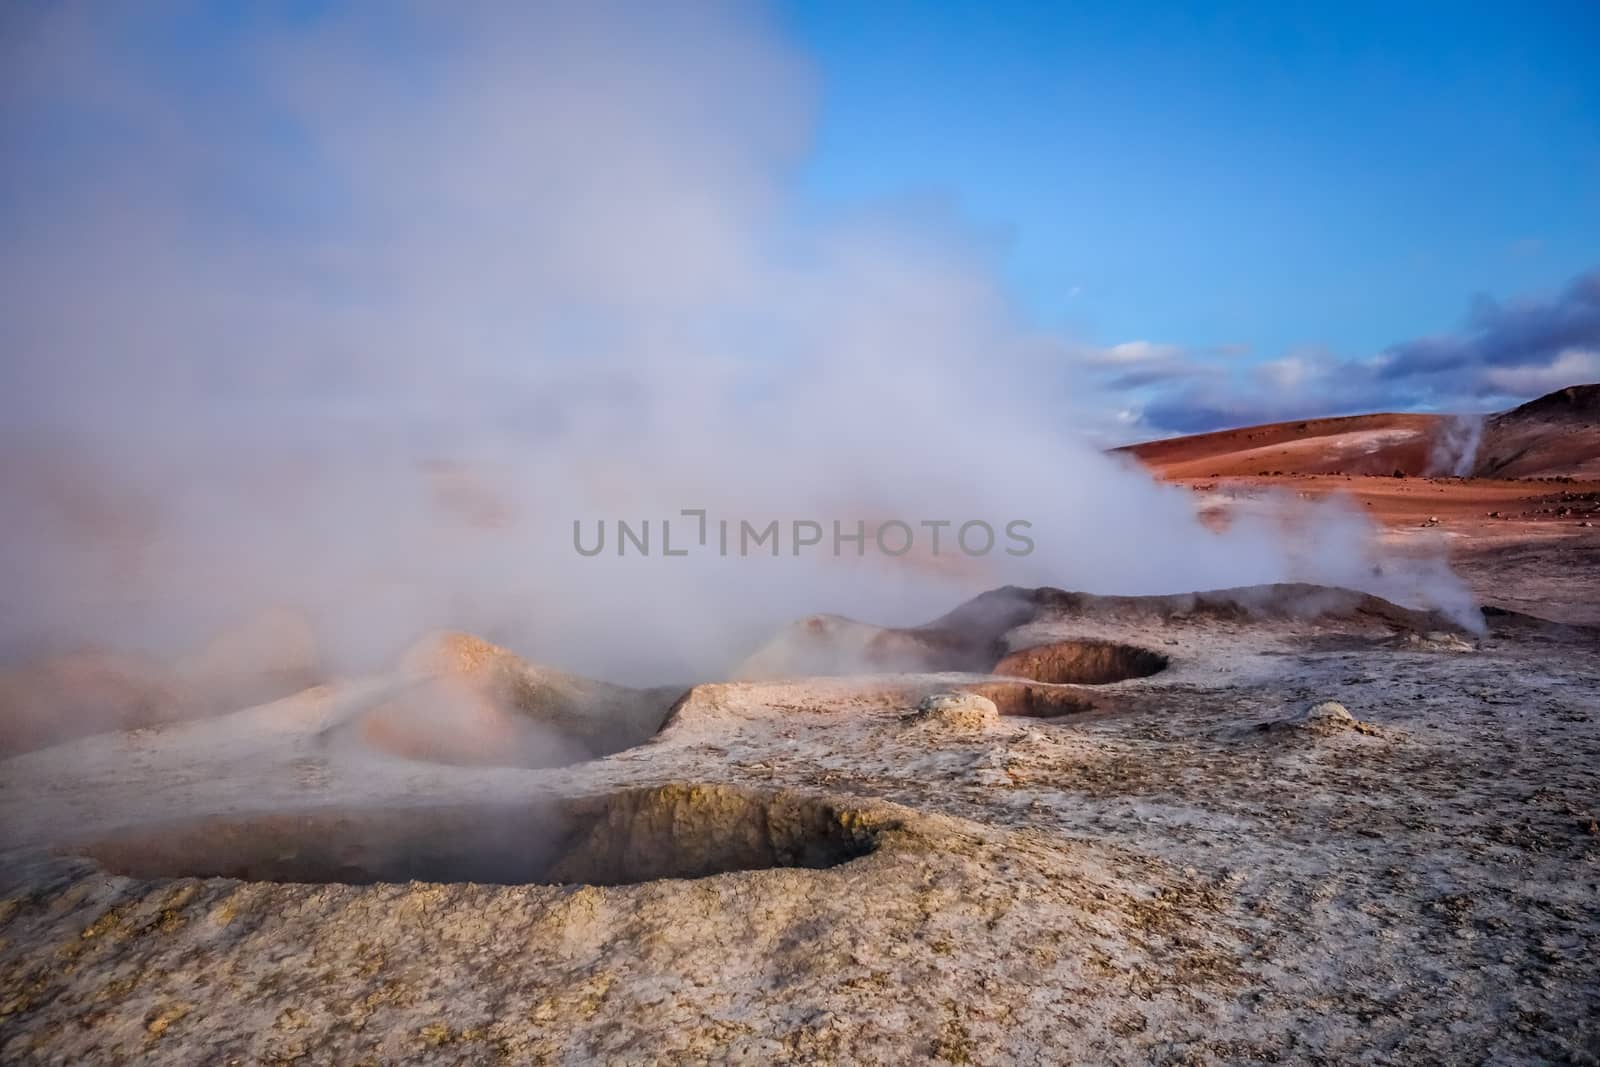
(1455, 449)
(361, 329)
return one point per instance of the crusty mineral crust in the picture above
(1154, 880)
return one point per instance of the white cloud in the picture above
(1287, 374)
(1138, 352)
(1570, 367)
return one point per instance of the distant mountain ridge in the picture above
(1556, 435)
(1580, 402)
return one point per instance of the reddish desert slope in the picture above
(1357, 444)
(1523, 526)
(1554, 436)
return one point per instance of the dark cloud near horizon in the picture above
(1506, 352)
(1507, 334)
(1159, 374)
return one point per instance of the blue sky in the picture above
(1324, 180)
(1211, 214)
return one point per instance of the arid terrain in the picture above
(1285, 823)
(1515, 496)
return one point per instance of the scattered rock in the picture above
(1037, 701)
(959, 711)
(1438, 641)
(1328, 717)
(1329, 712)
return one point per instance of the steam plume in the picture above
(355, 314)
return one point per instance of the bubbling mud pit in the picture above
(624, 838)
(1082, 662)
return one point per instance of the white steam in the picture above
(355, 316)
(1455, 446)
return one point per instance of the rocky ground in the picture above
(1203, 864)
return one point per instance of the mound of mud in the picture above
(968, 639)
(674, 831)
(449, 720)
(1277, 602)
(1082, 662)
(831, 645)
(471, 702)
(973, 638)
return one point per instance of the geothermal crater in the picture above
(1082, 662)
(640, 835)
